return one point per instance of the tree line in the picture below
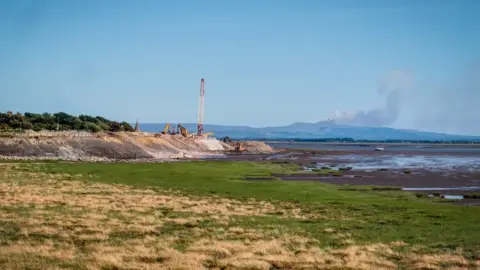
(59, 121)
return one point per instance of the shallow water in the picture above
(211, 156)
(453, 197)
(282, 156)
(371, 147)
(364, 162)
(439, 189)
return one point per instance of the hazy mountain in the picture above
(322, 129)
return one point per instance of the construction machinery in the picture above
(166, 129)
(200, 108)
(238, 146)
(182, 130)
(137, 127)
(201, 105)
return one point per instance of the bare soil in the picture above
(114, 146)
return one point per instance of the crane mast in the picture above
(200, 108)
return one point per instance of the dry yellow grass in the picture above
(54, 223)
(103, 197)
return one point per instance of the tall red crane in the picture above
(200, 108)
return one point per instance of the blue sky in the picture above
(264, 62)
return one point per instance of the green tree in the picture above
(115, 127)
(27, 126)
(61, 120)
(93, 127)
(38, 127)
(127, 127)
(88, 118)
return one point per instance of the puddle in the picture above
(363, 162)
(308, 169)
(441, 188)
(448, 197)
(453, 197)
(445, 196)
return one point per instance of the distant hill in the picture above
(319, 130)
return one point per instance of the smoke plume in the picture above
(451, 108)
(392, 87)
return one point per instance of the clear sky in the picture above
(265, 63)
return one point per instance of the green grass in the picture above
(327, 172)
(370, 216)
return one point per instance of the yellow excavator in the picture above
(166, 129)
(238, 146)
(184, 131)
(181, 130)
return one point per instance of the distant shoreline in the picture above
(427, 144)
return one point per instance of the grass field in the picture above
(196, 215)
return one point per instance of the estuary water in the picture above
(371, 147)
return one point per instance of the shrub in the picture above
(127, 127)
(93, 127)
(38, 127)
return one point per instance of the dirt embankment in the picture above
(121, 145)
(256, 147)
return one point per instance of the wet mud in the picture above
(451, 174)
